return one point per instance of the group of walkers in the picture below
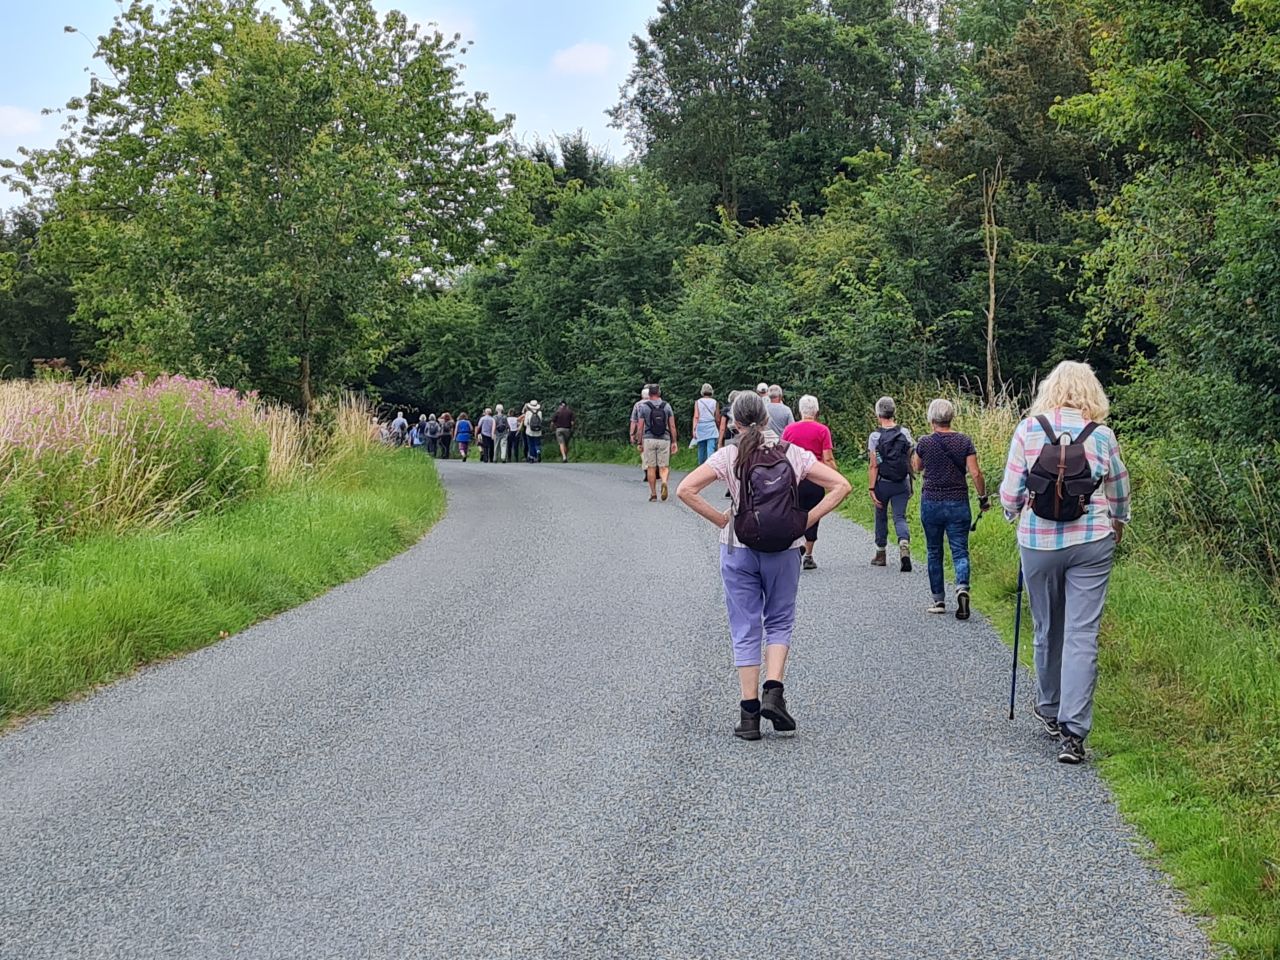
(1064, 484)
(503, 437)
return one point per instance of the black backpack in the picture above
(895, 450)
(658, 419)
(500, 424)
(1060, 482)
(535, 420)
(768, 516)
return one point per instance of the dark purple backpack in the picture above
(769, 517)
(1060, 482)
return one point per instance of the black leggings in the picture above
(810, 496)
(444, 448)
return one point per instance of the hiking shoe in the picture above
(748, 726)
(879, 559)
(904, 551)
(664, 490)
(1050, 724)
(1070, 748)
(808, 562)
(938, 606)
(653, 498)
(962, 605)
(773, 707)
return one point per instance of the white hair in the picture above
(886, 408)
(775, 392)
(941, 412)
(644, 394)
(808, 405)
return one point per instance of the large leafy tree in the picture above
(255, 200)
(756, 102)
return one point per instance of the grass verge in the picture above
(93, 610)
(1187, 728)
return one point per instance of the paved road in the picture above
(514, 741)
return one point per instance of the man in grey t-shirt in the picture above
(780, 415)
(658, 439)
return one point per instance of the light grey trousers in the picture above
(1067, 589)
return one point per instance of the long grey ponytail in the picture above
(748, 411)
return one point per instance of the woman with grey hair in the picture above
(708, 423)
(946, 457)
(816, 438)
(889, 480)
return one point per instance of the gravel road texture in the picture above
(514, 740)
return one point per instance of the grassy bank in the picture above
(92, 610)
(1187, 731)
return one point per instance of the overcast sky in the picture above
(555, 64)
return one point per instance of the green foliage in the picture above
(758, 101)
(35, 303)
(254, 203)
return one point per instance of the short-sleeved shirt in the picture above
(528, 412)
(562, 419)
(810, 434)
(464, 431)
(722, 462)
(941, 455)
(646, 414)
(780, 416)
(486, 426)
(873, 441)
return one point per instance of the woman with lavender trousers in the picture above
(759, 588)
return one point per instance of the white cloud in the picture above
(17, 122)
(582, 59)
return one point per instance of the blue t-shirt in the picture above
(943, 478)
(464, 431)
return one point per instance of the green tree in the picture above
(35, 304)
(258, 203)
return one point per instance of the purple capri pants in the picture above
(760, 594)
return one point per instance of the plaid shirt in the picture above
(1110, 501)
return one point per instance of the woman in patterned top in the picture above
(948, 459)
(1067, 565)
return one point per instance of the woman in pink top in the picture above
(759, 587)
(813, 436)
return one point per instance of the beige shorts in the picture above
(657, 453)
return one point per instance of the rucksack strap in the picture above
(1047, 427)
(1087, 432)
(959, 464)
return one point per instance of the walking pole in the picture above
(1017, 632)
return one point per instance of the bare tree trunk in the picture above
(304, 384)
(991, 181)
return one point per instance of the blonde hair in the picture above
(1073, 385)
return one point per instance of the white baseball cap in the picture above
(762, 388)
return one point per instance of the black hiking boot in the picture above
(904, 551)
(808, 563)
(1070, 748)
(748, 726)
(1050, 724)
(773, 707)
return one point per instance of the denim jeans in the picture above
(950, 518)
(535, 447)
(705, 449)
(894, 496)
